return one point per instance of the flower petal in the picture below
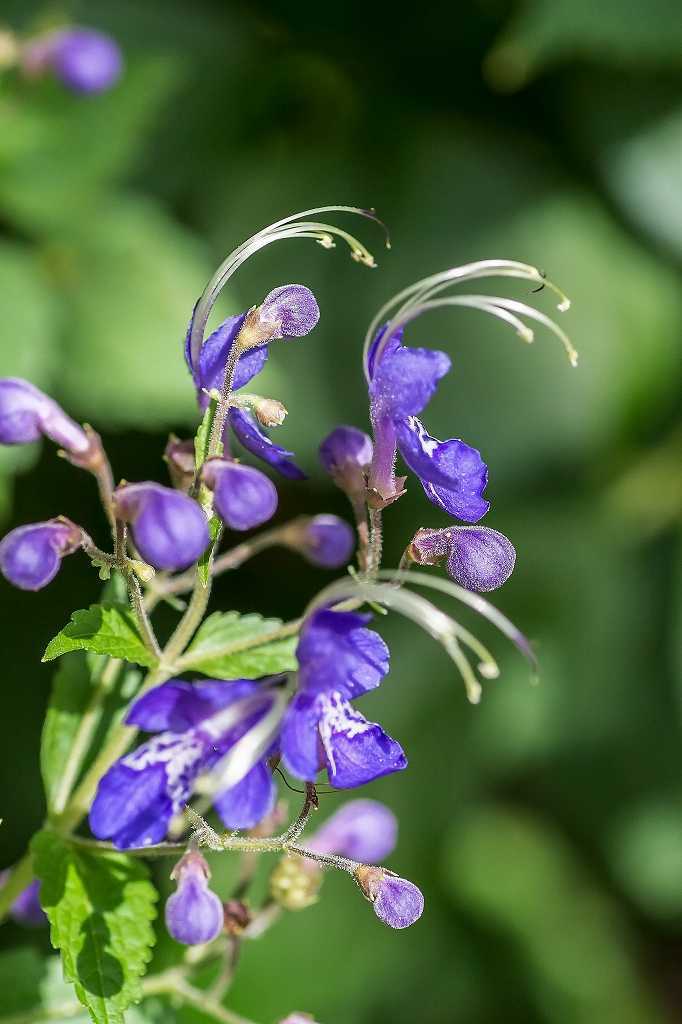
(259, 444)
(214, 354)
(178, 705)
(452, 474)
(132, 808)
(247, 803)
(406, 379)
(356, 750)
(299, 738)
(336, 652)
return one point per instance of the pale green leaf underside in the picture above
(233, 646)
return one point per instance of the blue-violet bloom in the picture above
(402, 382)
(84, 60)
(243, 496)
(30, 556)
(326, 541)
(346, 454)
(197, 724)
(362, 830)
(27, 414)
(169, 528)
(339, 660)
(478, 558)
(194, 913)
(395, 901)
(288, 311)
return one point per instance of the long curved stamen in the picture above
(419, 298)
(290, 227)
(473, 601)
(432, 620)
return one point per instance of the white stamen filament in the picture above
(419, 298)
(290, 227)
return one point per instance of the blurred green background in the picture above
(545, 826)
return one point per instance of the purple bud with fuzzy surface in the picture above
(85, 61)
(27, 414)
(395, 901)
(31, 555)
(363, 830)
(243, 496)
(194, 914)
(293, 308)
(327, 541)
(478, 558)
(169, 529)
(346, 455)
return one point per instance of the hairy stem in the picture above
(189, 622)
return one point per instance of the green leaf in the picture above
(71, 692)
(233, 646)
(134, 279)
(104, 629)
(52, 175)
(100, 907)
(204, 563)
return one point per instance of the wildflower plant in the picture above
(217, 710)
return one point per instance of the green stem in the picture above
(216, 438)
(189, 623)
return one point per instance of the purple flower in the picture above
(169, 528)
(288, 311)
(478, 558)
(339, 659)
(194, 914)
(363, 830)
(249, 434)
(346, 454)
(84, 60)
(30, 556)
(396, 902)
(326, 541)
(196, 723)
(244, 497)
(27, 414)
(26, 908)
(402, 382)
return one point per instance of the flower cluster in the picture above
(83, 60)
(219, 742)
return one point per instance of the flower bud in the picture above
(180, 459)
(194, 914)
(169, 529)
(269, 411)
(295, 883)
(290, 311)
(396, 902)
(27, 414)
(298, 1018)
(85, 61)
(479, 559)
(346, 454)
(26, 908)
(243, 496)
(31, 555)
(363, 830)
(324, 540)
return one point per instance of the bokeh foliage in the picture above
(545, 825)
